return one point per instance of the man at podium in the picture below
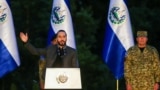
(56, 56)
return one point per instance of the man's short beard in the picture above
(62, 44)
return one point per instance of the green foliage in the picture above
(91, 67)
(13, 87)
(93, 71)
(146, 16)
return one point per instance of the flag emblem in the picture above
(116, 15)
(62, 78)
(58, 15)
(3, 13)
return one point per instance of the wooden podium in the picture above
(63, 78)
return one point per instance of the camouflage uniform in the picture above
(142, 69)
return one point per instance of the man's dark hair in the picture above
(62, 31)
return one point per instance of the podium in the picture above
(63, 78)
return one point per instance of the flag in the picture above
(118, 37)
(9, 57)
(61, 20)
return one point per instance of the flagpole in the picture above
(117, 84)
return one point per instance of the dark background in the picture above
(89, 20)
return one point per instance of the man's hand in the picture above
(128, 87)
(156, 86)
(24, 37)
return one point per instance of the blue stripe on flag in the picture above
(7, 63)
(51, 33)
(113, 53)
(68, 4)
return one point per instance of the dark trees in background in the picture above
(89, 20)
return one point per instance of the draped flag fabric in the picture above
(61, 20)
(118, 37)
(9, 57)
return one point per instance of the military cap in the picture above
(141, 33)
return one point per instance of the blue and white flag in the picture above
(118, 37)
(9, 57)
(61, 20)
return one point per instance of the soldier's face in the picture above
(54, 42)
(142, 40)
(61, 38)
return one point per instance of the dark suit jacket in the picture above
(69, 60)
(50, 53)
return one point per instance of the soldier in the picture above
(142, 66)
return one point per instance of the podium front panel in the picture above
(63, 78)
